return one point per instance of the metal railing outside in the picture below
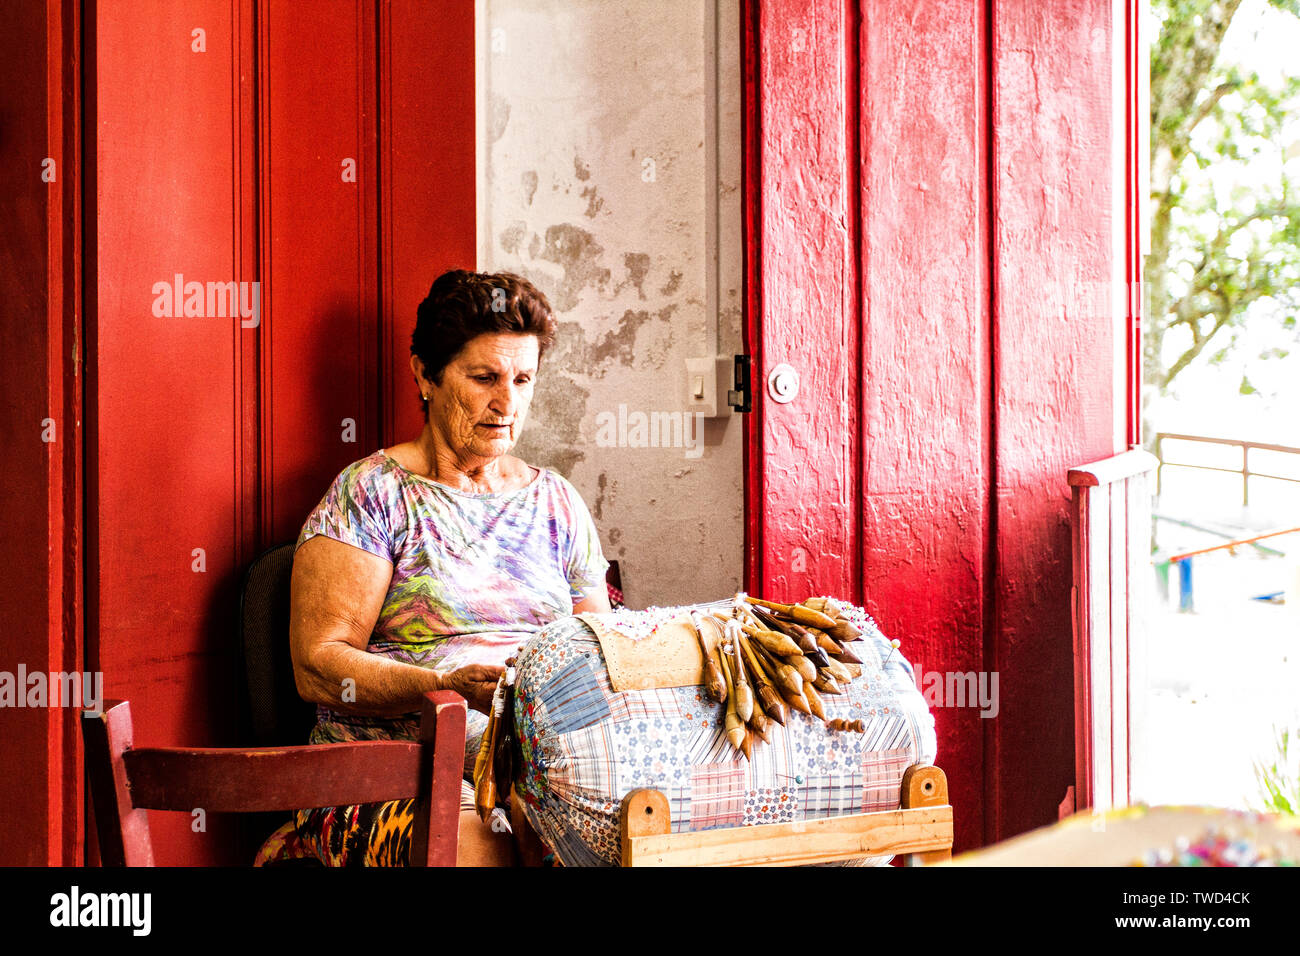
(1245, 470)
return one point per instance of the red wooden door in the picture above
(320, 157)
(40, 430)
(930, 200)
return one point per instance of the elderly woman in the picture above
(427, 564)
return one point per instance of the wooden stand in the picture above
(921, 829)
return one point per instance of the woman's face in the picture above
(480, 407)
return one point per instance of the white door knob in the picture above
(783, 384)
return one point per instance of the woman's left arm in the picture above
(585, 565)
(594, 601)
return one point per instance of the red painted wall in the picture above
(930, 189)
(212, 432)
(40, 396)
(928, 184)
(1055, 363)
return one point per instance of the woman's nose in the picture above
(506, 398)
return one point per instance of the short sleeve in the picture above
(586, 564)
(354, 511)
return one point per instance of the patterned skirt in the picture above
(372, 834)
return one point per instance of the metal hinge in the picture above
(741, 397)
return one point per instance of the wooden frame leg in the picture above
(925, 787)
(643, 813)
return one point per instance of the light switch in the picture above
(707, 381)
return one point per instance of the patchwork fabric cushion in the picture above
(585, 746)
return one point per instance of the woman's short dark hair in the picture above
(462, 305)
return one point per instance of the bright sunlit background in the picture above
(1224, 679)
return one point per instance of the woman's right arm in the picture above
(336, 595)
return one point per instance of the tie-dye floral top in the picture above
(474, 575)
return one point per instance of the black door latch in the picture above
(741, 397)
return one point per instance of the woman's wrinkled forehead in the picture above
(517, 352)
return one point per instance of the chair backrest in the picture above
(614, 584)
(125, 782)
(278, 715)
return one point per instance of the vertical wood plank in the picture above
(1080, 593)
(926, 374)
(1054, 334)
(166, 425)
(809, 474)
(1138, 573)
(247, 344)
(320, 316)
(1099, 516)
(1119, 598)
(40, 424)
(428, 176)
(753, 224)
(66, 357)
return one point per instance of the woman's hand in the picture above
(475, 682)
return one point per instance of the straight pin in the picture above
(893, 646)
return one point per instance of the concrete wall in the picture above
(596, 167)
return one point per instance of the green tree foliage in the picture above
(1225, 203)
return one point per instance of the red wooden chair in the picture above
(125, 782)
(614, 585)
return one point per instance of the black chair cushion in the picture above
(278, 716)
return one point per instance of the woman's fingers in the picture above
(480, 695)
(476, 683)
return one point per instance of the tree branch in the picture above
(1189, 54)
(1200, 341)
(1204, 110)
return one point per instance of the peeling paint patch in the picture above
(598, 506)
(512, 236)
(657, 350)
(578, 253)
(637, 265)
(529, 179)
(581, 169)
(673, 284)
(620, 343)
(594, 202)
(617, 346)
(499, 117)
(552, 434)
